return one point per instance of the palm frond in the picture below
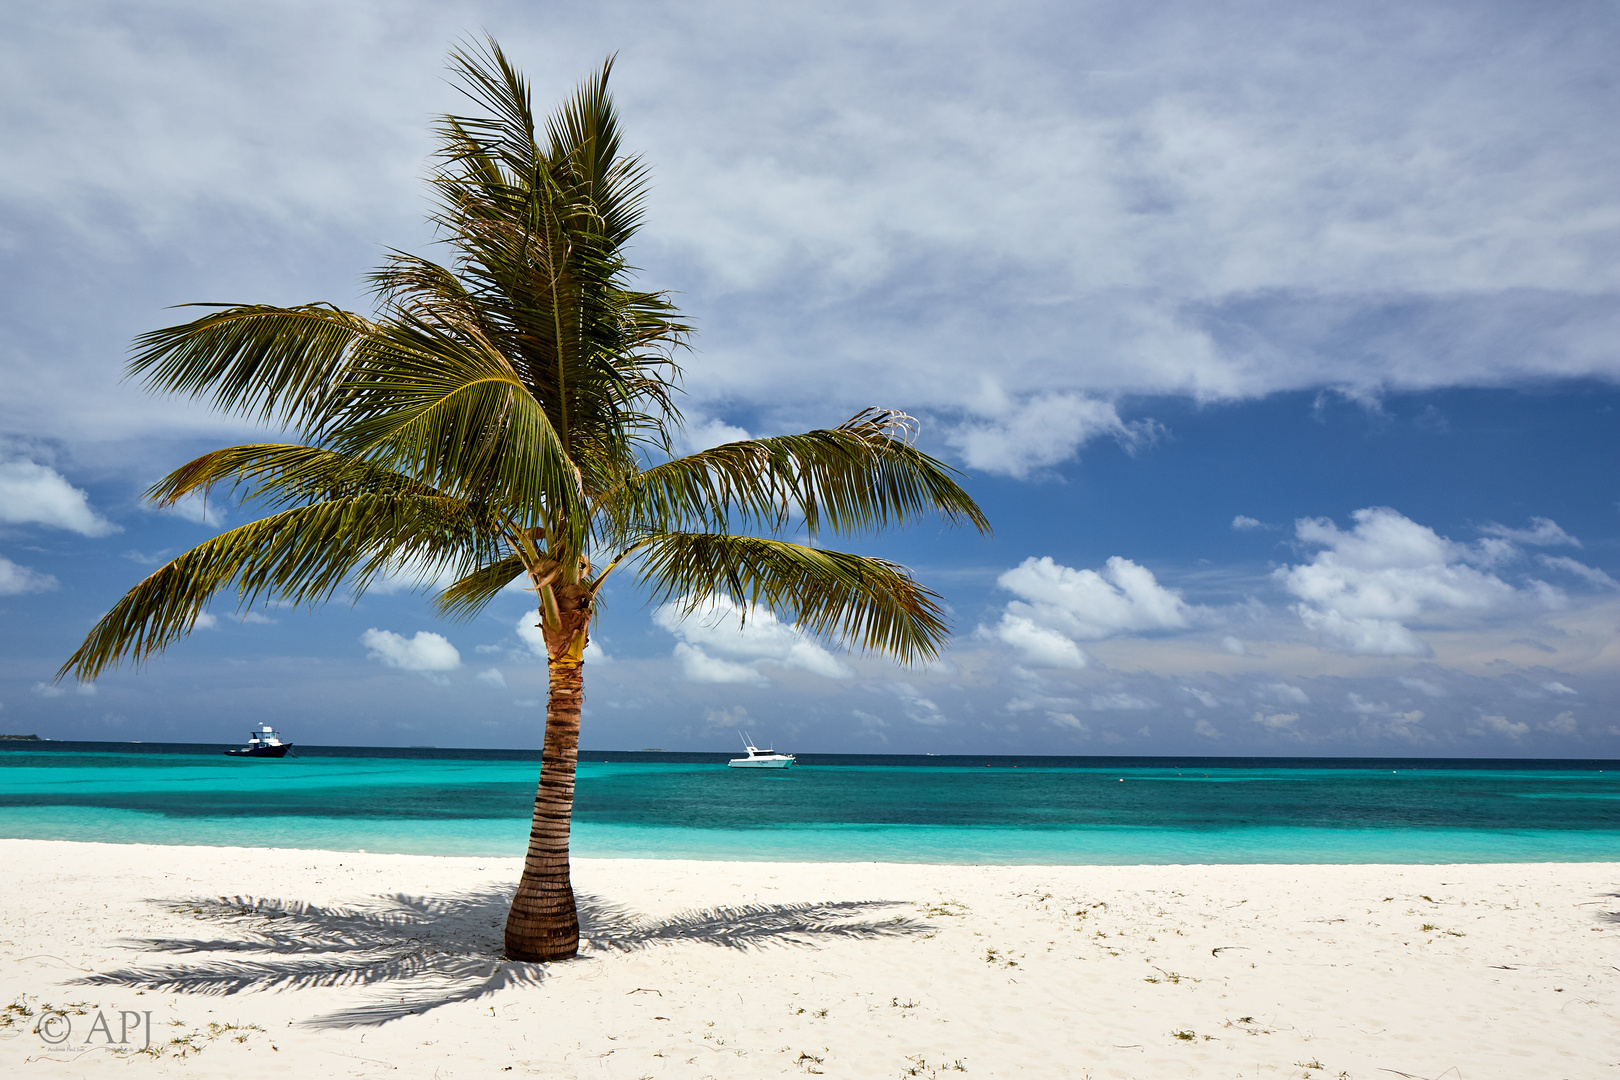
(449, 410)
(299, 556)
(871, 604)
(270, 363)
(468, 596)
(857, 477)
(282, 474)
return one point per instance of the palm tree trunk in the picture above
(543, 923)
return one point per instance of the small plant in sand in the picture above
(1185, 1036)
(195, 1041)
(919, 1067)
(1428, 926)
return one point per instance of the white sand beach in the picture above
(336, 964)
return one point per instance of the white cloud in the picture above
(1500, 725)
(1276, 721)
(207, 621)
(1244, 523)
(1363, 586)
(918, 709)
(1061, 605)
(1562, 724)
(1287, 693)
(1068, 720)
(426, 652)
(54, 690)
(1206, 729)
(197, 509)
(702, 434)
(32, 494)
(1039, 644)
(16, 580)
(492, 677)
(1118, 700)
(1204, 697)
(1234, 645)
(1422, 686)
(1090, 605)
(1590, 574)
(721, 642)
(699, 666)
(1543, 532)
(1556, 688)
(1041, 431)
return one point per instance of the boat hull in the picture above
(756, 763)
(261, 751)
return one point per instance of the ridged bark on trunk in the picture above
(544, 923)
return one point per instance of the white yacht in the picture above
(761, 759)
(263, 743)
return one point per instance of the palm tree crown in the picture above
(499, 417)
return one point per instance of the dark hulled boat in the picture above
(263, 743)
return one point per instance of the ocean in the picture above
(833, 807)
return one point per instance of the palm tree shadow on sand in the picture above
(433, 951)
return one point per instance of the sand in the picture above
(337, 964)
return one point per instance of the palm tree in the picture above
(499, 418)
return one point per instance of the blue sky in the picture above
(1279, 343)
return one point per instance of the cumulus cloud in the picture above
(33, 494)
(16, 580)
(722, 642)
(1500, 725)
(426, 652)
(1042, 431)
(1287, 693)
(1118, 700)
(1543, 532)
(702, 434)
(1276, 721)
(1059, 606)
(1562, 724)
(492, 677)
(1244, 523)
(1039, 644)
(54, 690)
(1363, 586)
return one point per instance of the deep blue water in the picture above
(833, 807)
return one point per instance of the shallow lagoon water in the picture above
(831, 808)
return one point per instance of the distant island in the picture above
(20, 738)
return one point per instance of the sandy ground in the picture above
(249, 963)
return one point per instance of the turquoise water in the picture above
(831, 808)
